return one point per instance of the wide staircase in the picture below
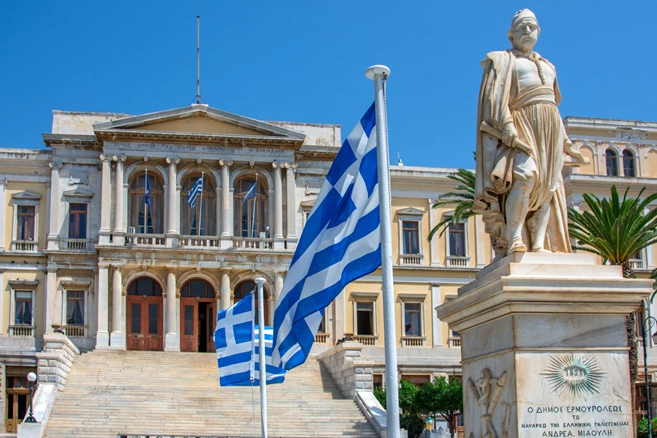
(157, 393)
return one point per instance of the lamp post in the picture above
(647, 325)
(30, 417)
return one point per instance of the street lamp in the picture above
(647, 325)
(30, 417)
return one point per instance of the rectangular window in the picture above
(411, 237)
(412, 319)
(457, 240)
(77, 221)
(365, 318)
(322, 325)
(24, 309)
(26, 215)
(75, 308)
(189, 321)
(152, 319)
(135, 324)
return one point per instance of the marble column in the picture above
(172, 199)
(118, 233)
(106, 201)
(278, 207)
(53, 301)
(102, 335)
(339, 311)
(436, 325)
(278, 286)
(225, 291)
(53, 225)
(434, 258)
(172, 343)
(291, 206)
(3, 186)
(117, 339)
(226, 205)
(217, 216)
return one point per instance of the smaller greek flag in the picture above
(194, 192)
(252, 192)
(238, 349)
(147, 191)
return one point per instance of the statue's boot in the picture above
(538, 227)
(517, 207)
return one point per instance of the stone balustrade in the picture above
(347, 367)
(56, 359)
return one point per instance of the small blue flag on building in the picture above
(252, 191)
(238, 347)
(194, 192)
(147, 191)
(340, 243)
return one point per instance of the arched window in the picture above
(628, 163)
(137, 208)
(245, 288)
(250, 207)
(145, 286)
(204, 207)
(197, 289)
(612, 162)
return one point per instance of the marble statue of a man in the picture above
(521, 147)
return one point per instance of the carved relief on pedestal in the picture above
(487, 391)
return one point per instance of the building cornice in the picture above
(74, 139)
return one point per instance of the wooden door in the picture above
(188, 324)
(210, 322)
(17, 401)
(145, 328)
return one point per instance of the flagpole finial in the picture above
(377, 69)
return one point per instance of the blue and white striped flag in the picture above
(194, 192)
(339, 244)
(237, 343)
(147, 190)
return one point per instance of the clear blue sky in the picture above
(305, 61)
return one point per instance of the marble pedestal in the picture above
(544, 347)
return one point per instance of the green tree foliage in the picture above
(615, 229)
(463, 198)
(442, 396)
(642, 427)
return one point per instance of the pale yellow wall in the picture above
(39, 297)
(17, 187)
(445, 290)
(587, 169)
(198, 124)
(650, 169)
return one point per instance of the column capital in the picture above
(119, 158)
(3, 182)
(173, 160)
(276, 165)
(105, 158)
(223, 163)
(55, 164)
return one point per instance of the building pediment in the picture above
(410, 211)
(31, 196)
(196, 122)
(78, 193)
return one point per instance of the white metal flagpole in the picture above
(200, 207)
(379, 74)
(145, 205)
(255, 195)
(261, 357)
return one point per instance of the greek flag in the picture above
(339, 244)
(252, 192)
(194, 192)
(147, 191)
(237, 343)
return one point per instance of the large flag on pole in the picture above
(238, 347)
(340, 243)
(147, 191)
(194, 192)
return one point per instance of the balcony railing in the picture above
(454, 342)
(411, 259)
(457, 261)
(200, 241)
(75, 330)
(76, 244)
(322, 338)
(413, 341)
(145, 239)
(253, 242)
(636, 264)
(21, 330)
(366, 339)
(24, 246)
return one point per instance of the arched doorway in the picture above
(144, 314)
(198, 307)
(246, 287)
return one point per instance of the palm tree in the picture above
(463, 200)
(616, 230)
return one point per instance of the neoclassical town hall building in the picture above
(84, 254)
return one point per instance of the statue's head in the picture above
(524, 31)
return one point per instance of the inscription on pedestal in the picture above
(574, 395)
